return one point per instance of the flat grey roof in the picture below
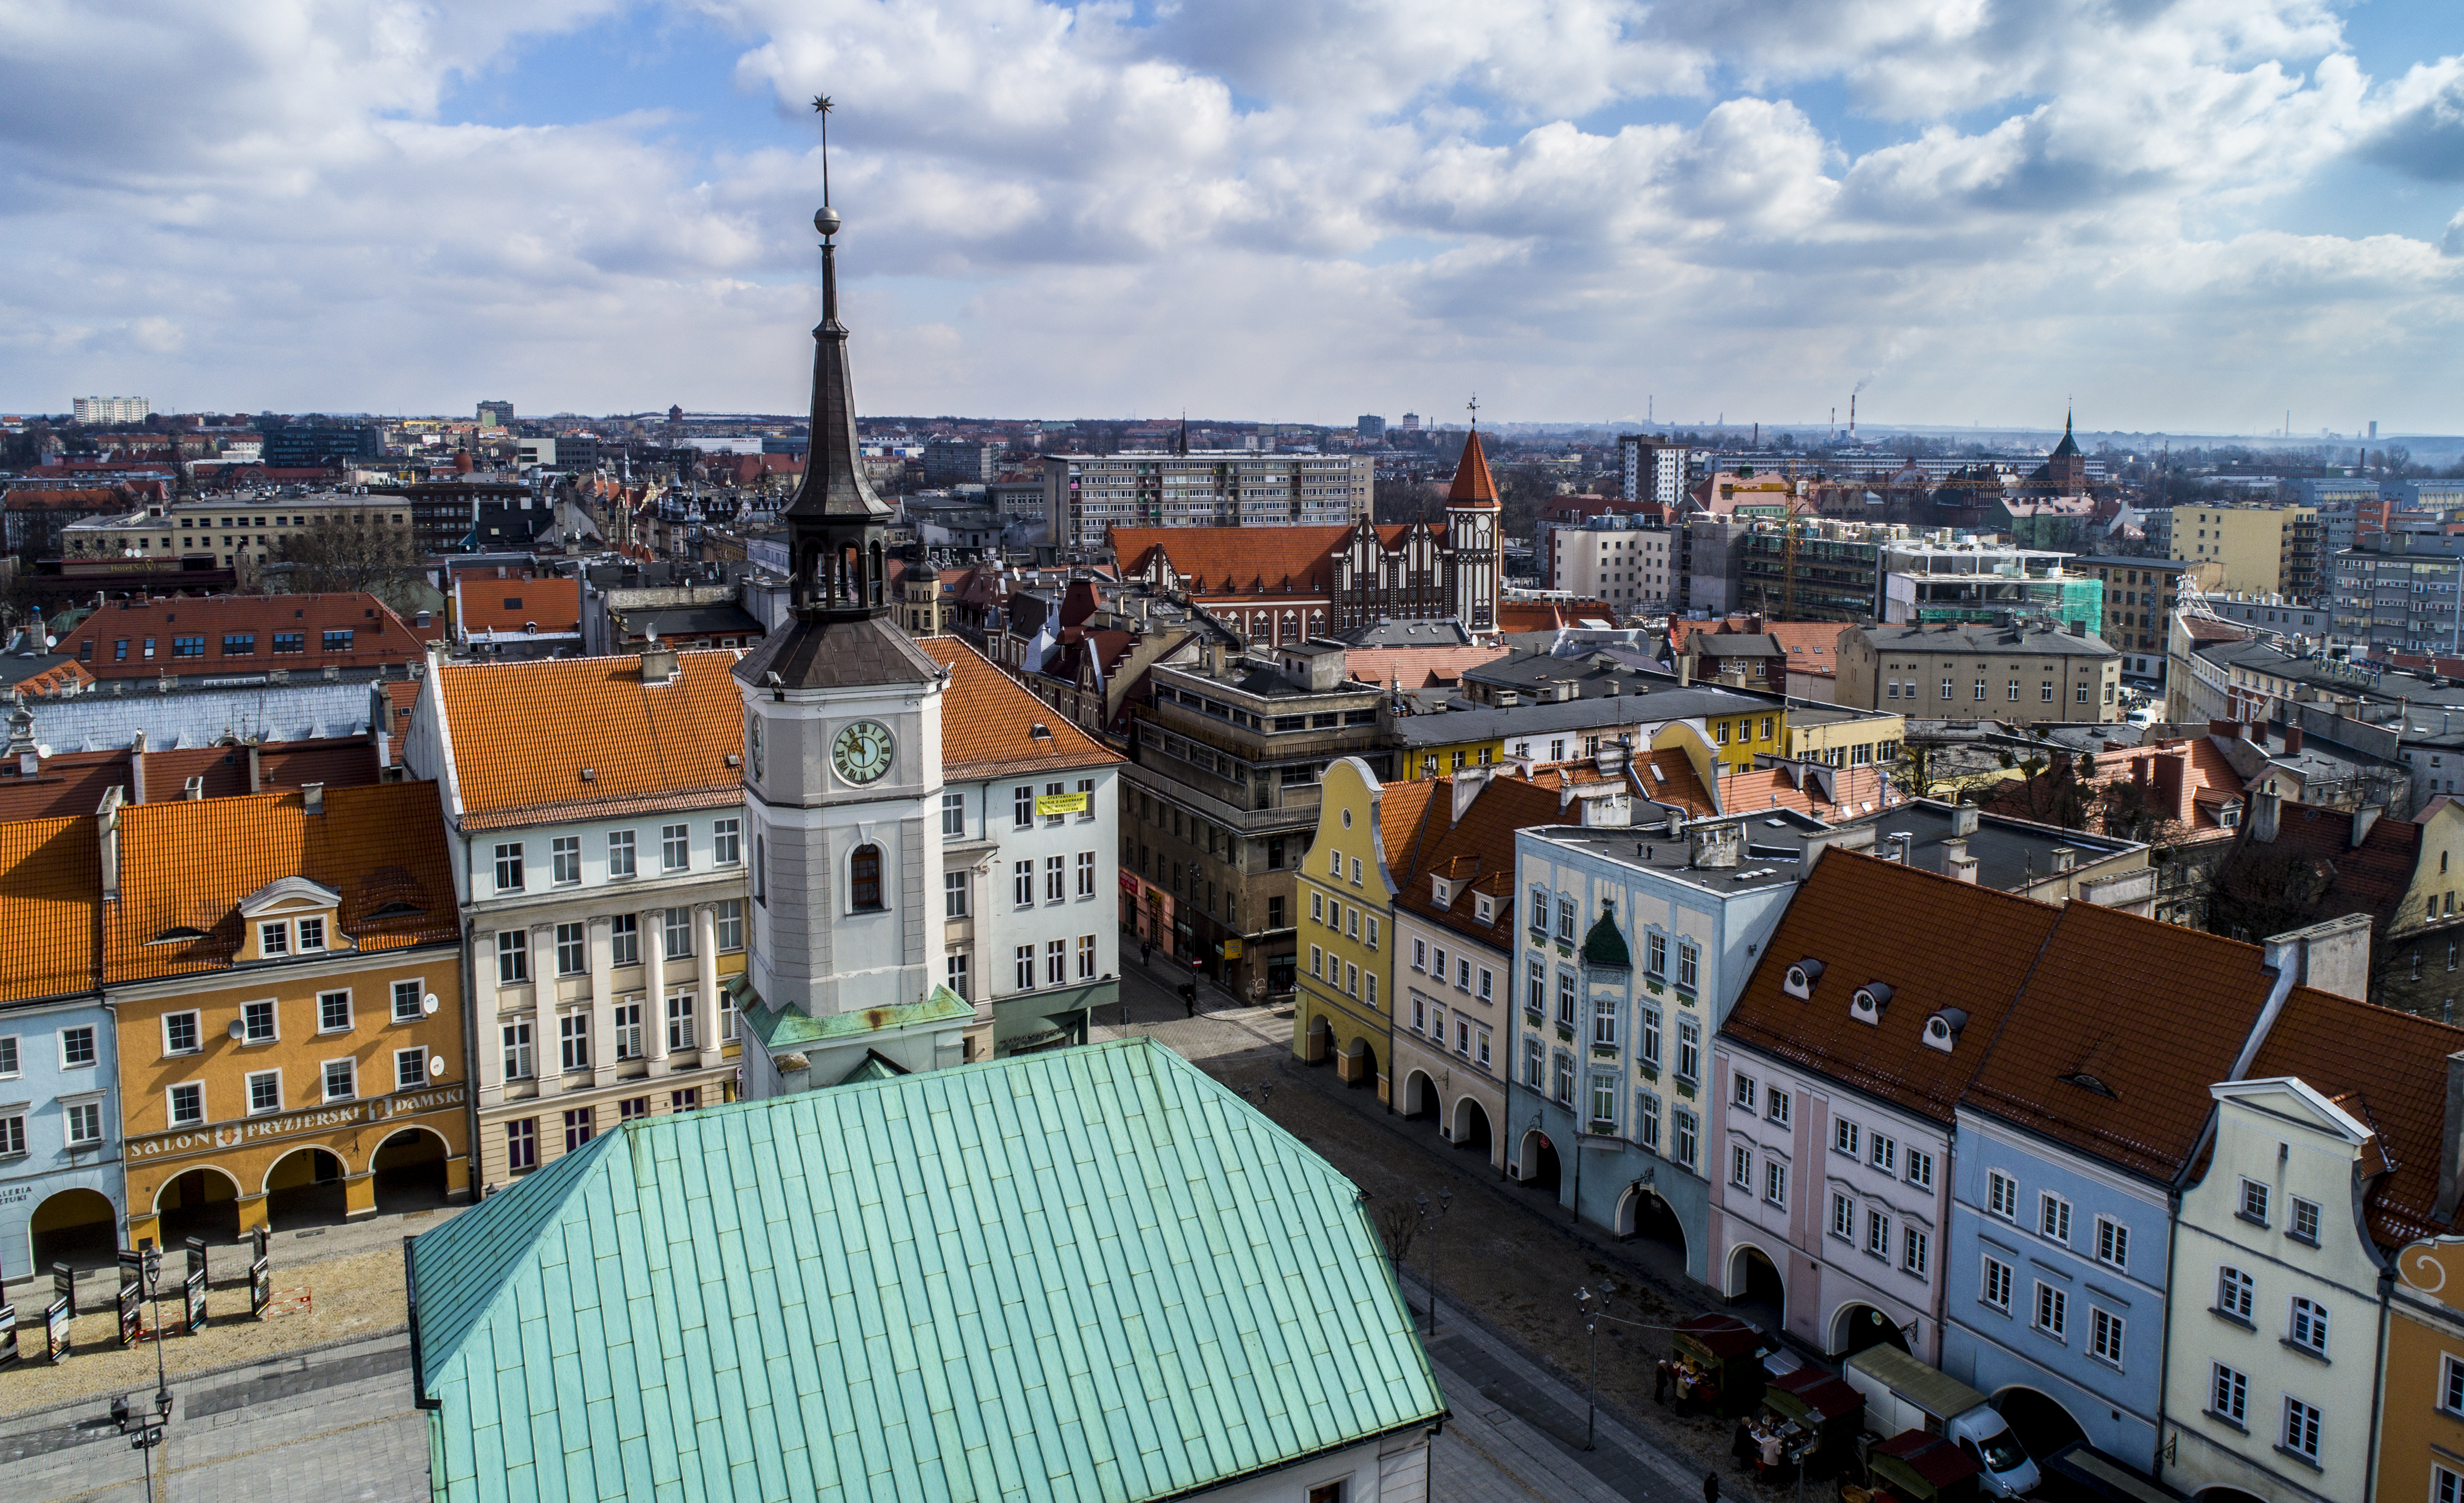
(1986, 639)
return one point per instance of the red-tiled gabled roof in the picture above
(50, 892)
(2086, 1059)
(514, 605)
(989, 719)
(536, 741)
(1936, 942)
(1251, 560)
(238, 632)
(1477, 851)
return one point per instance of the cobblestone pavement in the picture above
(335, 1426)
(1507, 1253)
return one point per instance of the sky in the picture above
(2189, 217)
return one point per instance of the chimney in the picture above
(2363, 818)
(313, 794)
(193, 788)
(1963, 820)
(137, 768)
(2292, 739)
(256, 765)
(1676, 823)
(2266, 808)
(107, 821)
(2332, 956)
(1685, 672)
(2065, 857)
(658, 662)
(1956, 862)
(21, 741)
(1467, 785)
(1717, 848)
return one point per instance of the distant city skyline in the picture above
(2189, 219)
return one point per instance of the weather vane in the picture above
(1474, 405)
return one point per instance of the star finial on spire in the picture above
(823, 104)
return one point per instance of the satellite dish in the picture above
(51, 641)
(435, 1065)
(237, 1031)
(427, 1004)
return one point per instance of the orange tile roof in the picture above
(1771, 787)
(1417, 667)
(74, 782)
(988, 721)
(1808, 645)
(51, 896)
(1668, 777)
(1936, 942)
(1472, 480)
(187, 864)
(400, 695)
(1269, 561)
(2390, 1068)
(2084, 1015)
(516, 605)
(523, 733)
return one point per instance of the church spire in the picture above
(835, 522)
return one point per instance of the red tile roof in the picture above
(515, 606)
(186, 865)
(988, 721)
(2085, 1060)
(74, 782)
(1855, 789)
(1476, 852)
(50, 899)
(2389, 1068)
(2371, 878)
(379, 637)
(524, 734)
(1245, 560)
(1417, 667)
(1947, 943)
(1472, 480)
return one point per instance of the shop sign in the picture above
(293, 1125)
(1229, 949)
(1048, 804)
(1130, 884)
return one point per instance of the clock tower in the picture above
(842, 784)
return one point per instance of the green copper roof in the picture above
(1087, 1274)
(1605, 946)
(785, 1028)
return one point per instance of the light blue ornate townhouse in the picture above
(2074, 1142)
(61, 1176)
(1634, 944)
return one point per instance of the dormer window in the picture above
(1942, 1030)
(312, 934)
(1799, 980)
(1486, 907)
(1866, 1004)
(273, 939)
(1441, 892)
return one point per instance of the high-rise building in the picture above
(960, 462)
(2266, 550)
(1371, 427)
(1087, 495)
(1652, 472)
(495, 414)
(102, 411)
(295, 446)
(1411, 422)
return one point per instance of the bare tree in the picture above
(336, 556)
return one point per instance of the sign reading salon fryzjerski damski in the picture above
(217, 1136)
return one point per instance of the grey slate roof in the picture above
(830, 654)
(1988, 639)
(1469, 722)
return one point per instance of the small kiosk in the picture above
(1820, 1407)
(1913, 1467)
(1724, 1357)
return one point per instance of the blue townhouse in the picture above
(1633, 946)
(2073, 1144)
(61, 1183)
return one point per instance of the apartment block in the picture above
(2267, 549)
(1623, 560)
(1087, 495)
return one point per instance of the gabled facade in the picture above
(1453, 983)
(1348, 882)
(284, 974)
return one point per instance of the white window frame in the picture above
(196, 1033)
(350, 1068)
(402, 1081)
(247, 1088)
(412, 988)
(171, 1094)
(1995, 1272)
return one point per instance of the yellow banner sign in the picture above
(1060, 803)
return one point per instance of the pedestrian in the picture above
(1660, 1383)
(1743, 1446)
(1711, 1486)
(1146, 951)
(1189, 999)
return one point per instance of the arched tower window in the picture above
(863, 879)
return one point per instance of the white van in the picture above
(1904, 1394)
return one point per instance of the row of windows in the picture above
(1655, 942)
(581, 1126)
(2045, 691)
(80, 1125)
(1422, 961)
(1345, 919)
(572, 1040)
(261, 1023)
(1881, 1151)
(564, 854)
(2054, 1219)
(1471, 1039)
(185, 1103)
(234, 643)
(1913, 1248)
(2229, 1401)
(77, 1050)
(572, 945)
(1056, 963)
(1347, 978)
(1057, 884)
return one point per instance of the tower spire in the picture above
(835, 523)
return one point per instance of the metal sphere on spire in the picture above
(825, 219)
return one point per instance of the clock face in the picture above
(862, 751)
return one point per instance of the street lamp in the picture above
(147, 1429)
(1593, 1309)
(1429, 1219)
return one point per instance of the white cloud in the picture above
(261, 202)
